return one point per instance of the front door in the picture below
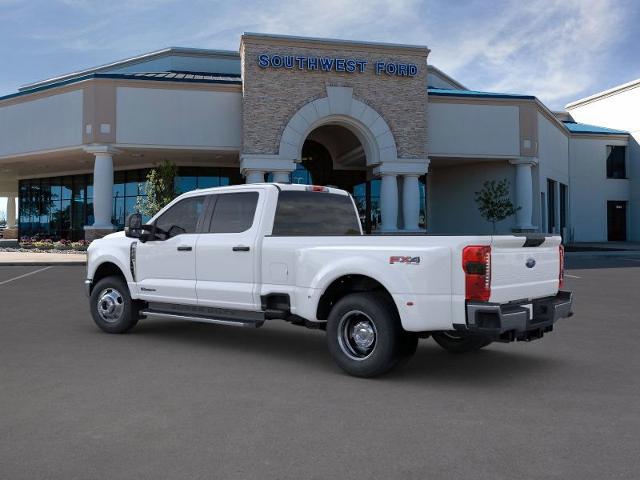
(617, 221)
(166, 269)
(227, 253)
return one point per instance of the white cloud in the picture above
(553, 49)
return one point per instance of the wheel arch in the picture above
(107, 269)
(346, 285)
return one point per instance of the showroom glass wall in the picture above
(59, 207)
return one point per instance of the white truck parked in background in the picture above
(244, 255)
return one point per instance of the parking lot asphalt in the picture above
(185, 400)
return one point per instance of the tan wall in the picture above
(271, 96)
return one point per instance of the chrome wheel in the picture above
(110, 305)
(357, 335)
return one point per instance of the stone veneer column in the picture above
(102, 191)
(524, 192)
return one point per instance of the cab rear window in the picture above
(302, 213)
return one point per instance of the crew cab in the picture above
(251, 254)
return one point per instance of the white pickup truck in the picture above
(245, 255)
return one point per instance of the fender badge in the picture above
(404, 260)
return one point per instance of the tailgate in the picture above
(524, 267)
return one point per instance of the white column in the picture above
(254, 176)
(411, 202)
(11, 212)
(524, 192)
(389, 202)
(281, 177)
(102, 186)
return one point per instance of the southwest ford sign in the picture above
(334, 64)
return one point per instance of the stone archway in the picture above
(340, 108)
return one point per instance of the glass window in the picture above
(315, 213)
(182, 217)
(234, 212)
(119, 180)
(616, 161)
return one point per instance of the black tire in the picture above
(111, 306)
(456, 342)
(368, 313)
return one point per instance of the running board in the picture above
(220, 316)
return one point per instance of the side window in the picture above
(182, 217)
(234, 212)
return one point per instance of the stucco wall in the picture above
(452, 197)
(271, 96)
(553, 158)
(465, 129)
(620, 111)
(194, 118)
(590, 189)
(42, 124)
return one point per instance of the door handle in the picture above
(240, 248)
(185, 248)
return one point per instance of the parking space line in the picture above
(571, 276)
(25, 275)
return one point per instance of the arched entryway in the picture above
(341, 141)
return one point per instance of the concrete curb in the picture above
(43, 264)
(616, 253)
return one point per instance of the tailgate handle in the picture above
(532, 241)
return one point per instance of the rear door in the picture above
(523, 268)
(227, 252)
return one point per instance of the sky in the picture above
(558, 50)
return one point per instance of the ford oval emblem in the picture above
(531, 262)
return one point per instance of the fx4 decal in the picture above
(404, 260)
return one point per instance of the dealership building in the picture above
(410, 143)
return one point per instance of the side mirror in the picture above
(133, 225)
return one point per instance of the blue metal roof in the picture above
(445, 92)
(575, 127)
(187, 77)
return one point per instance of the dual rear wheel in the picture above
(366, 339)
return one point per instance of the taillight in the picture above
(476, 263)
(561, 273)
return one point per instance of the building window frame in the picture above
(616, 164)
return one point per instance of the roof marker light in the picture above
(316, 188)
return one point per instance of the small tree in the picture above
(494, 203)
(159, 189)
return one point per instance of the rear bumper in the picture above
(516, 321)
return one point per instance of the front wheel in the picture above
(364, 335)
(456, 342)
(112, 308)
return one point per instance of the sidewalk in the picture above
(37, 259)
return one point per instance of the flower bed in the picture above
(40, 245)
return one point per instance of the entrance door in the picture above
(166, 269)
(617, 221)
